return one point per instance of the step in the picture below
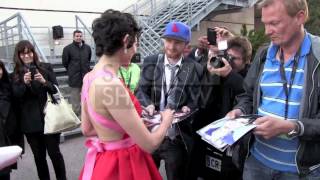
(69, 134)
(62, 79)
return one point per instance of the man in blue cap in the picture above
(171, 80)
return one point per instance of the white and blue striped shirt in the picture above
(279, 152)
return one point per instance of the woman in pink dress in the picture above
(119, 144)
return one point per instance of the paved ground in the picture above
(73, 151)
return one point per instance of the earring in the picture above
(125, 50)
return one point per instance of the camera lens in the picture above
(216, 62)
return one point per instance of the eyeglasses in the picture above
(23, 54)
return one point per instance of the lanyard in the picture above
(287, 90)
(124, 80)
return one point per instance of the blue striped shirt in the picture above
(279, 152)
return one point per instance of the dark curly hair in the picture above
(109, 30)
(243, 45)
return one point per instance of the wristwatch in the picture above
(295, 132)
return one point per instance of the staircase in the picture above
(12, 30)
(153, 15)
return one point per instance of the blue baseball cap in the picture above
(178, 31)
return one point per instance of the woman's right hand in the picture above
(167, 116)
(27, 78)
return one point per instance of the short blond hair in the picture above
(292, 6)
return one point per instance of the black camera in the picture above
(33, 69)
(217, 62)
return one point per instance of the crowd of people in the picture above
(280, 84)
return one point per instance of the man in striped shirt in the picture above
(283, 87)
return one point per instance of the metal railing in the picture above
(149, 41)
(13, 30)
(147, 7)
(156, 13)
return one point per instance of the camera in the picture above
(33, 69)
(217, 62)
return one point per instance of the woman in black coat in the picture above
(9, 133)
(32, 81)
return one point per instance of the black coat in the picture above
(150, 84)
(10, 133)
(32, 99)
(218, 96)
(76, 60)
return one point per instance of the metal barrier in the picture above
(13, 30)
(152, 15)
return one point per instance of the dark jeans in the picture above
(174, 154)
(254, 169)
(41, 143)
(197, 160)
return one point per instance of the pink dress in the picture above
(114, 160)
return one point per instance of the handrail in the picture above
(35, 43)
(83, 24)
(23, 27)
(9, 28)
(10, 18)
(158, 12)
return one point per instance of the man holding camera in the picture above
(282, 85)
(226, 66)
(171, 80)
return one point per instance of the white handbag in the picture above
(59, 117)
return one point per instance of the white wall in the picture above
(43, 18)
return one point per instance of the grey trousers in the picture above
(75, 100)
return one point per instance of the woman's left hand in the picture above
(40, 78)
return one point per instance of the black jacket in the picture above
(188, 83)
(309, 117)
(32, 99)
(76, 60)
(150, 84)
(218, 96)
(10, 133)
(217, 93)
